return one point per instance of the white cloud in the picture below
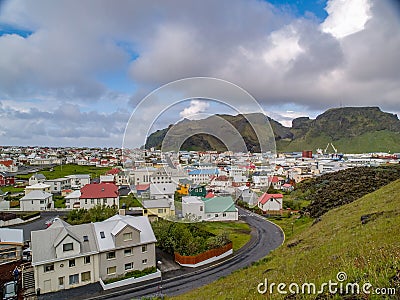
(196, 107)
(346, 17)
(351, 58)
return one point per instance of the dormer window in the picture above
(68, 247)
(102, 235)
(127, 236)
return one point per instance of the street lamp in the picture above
(159, 263)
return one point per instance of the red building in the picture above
(6, 179)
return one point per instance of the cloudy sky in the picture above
(72, 72)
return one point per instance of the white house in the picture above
(58, 184)
(209, 209)
(270, 202)
(36, 178)
(162, 190)
(78, 181)
(67, 256)
(36, 200)
(72, 200)
(98, 194)
(37, 187)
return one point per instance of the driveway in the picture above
(38, 224)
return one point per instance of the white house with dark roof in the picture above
(66, 256)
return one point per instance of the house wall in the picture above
(34, 205)
(271, 205)
(195, 209)
(49, 281)
(166, 211)
(222, 216)
(76, 248)
(91, 202)
(121, 259)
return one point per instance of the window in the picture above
(111, 255)
(216, 215)
(128, 252)
(144, 248)
(49, 268)
(85, 276)
(160, 210)
(86, 260)
(68, 247)
(127, 236)
(102, 235)
(74, 279)
(201, 208)
(224, 214)
(144, 261)
(41, 201)
(85, 238)
(92, 201)
(85, 201)
(111, 270)
(72, 263)
(61, 281)
(128, 266)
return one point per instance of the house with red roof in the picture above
(98, 194)
(143, 188)
(8, 166)
(270, 202)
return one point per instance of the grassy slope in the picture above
(238, 232)
(379, 141)
(339, 242)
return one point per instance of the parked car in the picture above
(10, 290)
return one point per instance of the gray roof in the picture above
(162, 188)
(11, 235)
(44, 241)
(39, 176)
(159, 203)
(36, 195)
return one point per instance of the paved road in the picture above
(267, 237)
(38, 224)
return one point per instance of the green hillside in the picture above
(368, 252)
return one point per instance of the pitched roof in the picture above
(266, 197)
(209, 195)
(219, 205)
(36, 195)
(100, 190)
(113, 171)
(108, 226)
(142, 187)
(6, 163)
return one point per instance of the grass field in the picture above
(130, 201)
(12, 189)
(238, 232)
(339, 242)
(64, 170)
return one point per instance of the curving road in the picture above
(266, 237)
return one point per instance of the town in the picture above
(135, 191)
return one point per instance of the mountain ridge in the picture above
(352, 129)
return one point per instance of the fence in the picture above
(196, 259)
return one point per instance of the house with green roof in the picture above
(209, 209)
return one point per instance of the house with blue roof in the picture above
(202, 175)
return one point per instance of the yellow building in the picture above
(183, 189)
